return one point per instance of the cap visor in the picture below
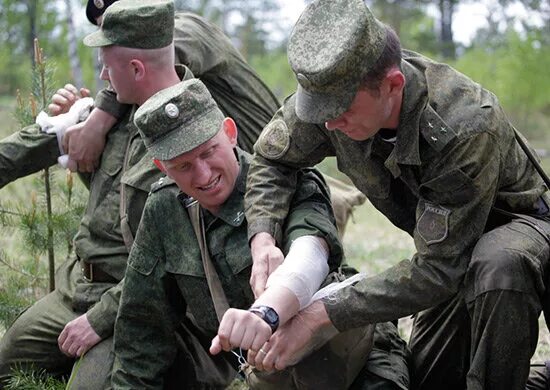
(97, 39)
(319, 107)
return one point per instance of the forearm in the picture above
(301, 274)
(269, 191)
(100, 121)
(102, 315)
(404, 289)
(26, 152)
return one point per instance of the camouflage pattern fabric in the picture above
(454, 159)
(178, 119)
(99, 238)
(330, 71)
(176, 281)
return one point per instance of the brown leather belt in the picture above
(91, 273)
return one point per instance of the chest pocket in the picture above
(228, 249)
(449, 188)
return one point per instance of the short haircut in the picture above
(390, 57)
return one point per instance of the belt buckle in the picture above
(84, 273)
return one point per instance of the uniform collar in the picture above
(415, 97)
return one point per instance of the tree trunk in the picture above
(446, 11)
(76, 70)
(31, 9)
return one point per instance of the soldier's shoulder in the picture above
(435, 130)
(163, 184)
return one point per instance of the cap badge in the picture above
(99, 4)
(171, 110)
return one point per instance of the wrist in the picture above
(268, 314)
(262, 239)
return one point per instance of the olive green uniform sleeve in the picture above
(102, 315)
(26, 151)
(144, 330)
(281, 151)
(311, 215)
(106, 101)
(456, 197)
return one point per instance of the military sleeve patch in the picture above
(274, 140)
(433, 224)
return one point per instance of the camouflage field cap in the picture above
(331, 48)
(96, 8)
(178, 119)
(140, 24)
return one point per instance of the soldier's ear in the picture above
(230, 129)
(139, 69)
(159, 165)
(396, 81)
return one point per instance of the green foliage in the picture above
(274, 70)
(33, 380)
(22, 264)
(516, 71)
(246, 22)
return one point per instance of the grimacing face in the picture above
(208, 173)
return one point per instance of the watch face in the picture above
(271, 316)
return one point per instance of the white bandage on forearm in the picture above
(304, 269)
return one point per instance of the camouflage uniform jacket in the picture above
(211, 57)
(454, 158)
(165, 275)
(99, 239)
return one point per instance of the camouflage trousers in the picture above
(484, 337)
(31, 341)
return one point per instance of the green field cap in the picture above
(140, 24)
(331, 48)
(178, 119)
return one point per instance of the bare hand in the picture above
(77, 337)
(305, 332)
(84, 146)
(240, 328)
(266, 257)
(65, 97)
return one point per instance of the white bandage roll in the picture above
(304, 269)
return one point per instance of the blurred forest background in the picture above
(509, 54)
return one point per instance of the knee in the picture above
(505, 264)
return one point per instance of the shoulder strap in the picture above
(534, 161)
(214, 285)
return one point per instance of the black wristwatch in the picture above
(268, 314)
